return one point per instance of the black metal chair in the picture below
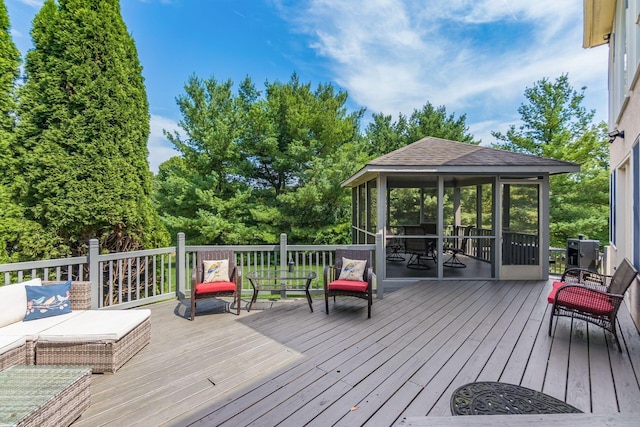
(592, 297)
(421, 249)
(395, 245)
(461, 248)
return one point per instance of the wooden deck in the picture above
(285, 365)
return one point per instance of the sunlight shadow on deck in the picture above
(288, 365)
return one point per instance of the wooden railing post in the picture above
(380, 266)
(283, 259)
(94, 272)
(181, 270)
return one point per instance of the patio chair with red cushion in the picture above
(351, 276)
(591, 296)
(215, 276)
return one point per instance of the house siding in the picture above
(624, 114)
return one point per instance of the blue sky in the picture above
(475, 57)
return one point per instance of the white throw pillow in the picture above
(216, 271)
(13, 301)
(352, 269)
(33, 282)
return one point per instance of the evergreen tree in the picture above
(556, 125)
(83, 130)
(9, 72)
(383, 135)
(20, 239)
(255, 165)
(199, 193)
(289, 129)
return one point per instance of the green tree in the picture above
(200, 192)
(299, 144)
(318, 211)
(253, 165)
(384, 135)
(9, 73)
(211, 124)
(289, 129)
(555, 124)
(189, 202)
(20, 238)
(83, 130)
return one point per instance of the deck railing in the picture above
(130, 279)
(276, 257)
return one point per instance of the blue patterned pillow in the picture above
(47, 301)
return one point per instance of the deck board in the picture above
(286, 365)
(472, 337)
(578, 385)
(603, 392)
(492, 353)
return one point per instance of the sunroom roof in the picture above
(436, 155)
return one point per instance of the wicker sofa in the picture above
(102, 339)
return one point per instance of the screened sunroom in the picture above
(445, 210)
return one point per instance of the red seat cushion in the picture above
(212, 287)
(582, 299)
(552, 294)
(348, 285)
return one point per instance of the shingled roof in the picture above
(436, 155)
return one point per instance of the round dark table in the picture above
(495, 398)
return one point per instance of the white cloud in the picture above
(34, 3)
(482, 130)
(160, 149)
(15, 33)
(395, 55)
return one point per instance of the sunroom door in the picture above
(520, 231)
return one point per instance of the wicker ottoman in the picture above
(44, 395)
(13, 351)
(102, 339)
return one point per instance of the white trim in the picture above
(440, 227)
(381, 225)
(368, 172)
(527, 272)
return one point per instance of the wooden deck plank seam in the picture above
(421, 342)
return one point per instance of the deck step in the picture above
(557, 420)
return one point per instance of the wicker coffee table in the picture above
(495, 398)
(44, 395)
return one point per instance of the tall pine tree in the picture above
(83, 130)
(383, 135)
(16, 243)
(555, 124)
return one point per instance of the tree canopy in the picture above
(384, 135)
(82, 132)
(254, 162)
(20, 239)
(555, 124)
(258, 163)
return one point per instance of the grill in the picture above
(582, 253)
